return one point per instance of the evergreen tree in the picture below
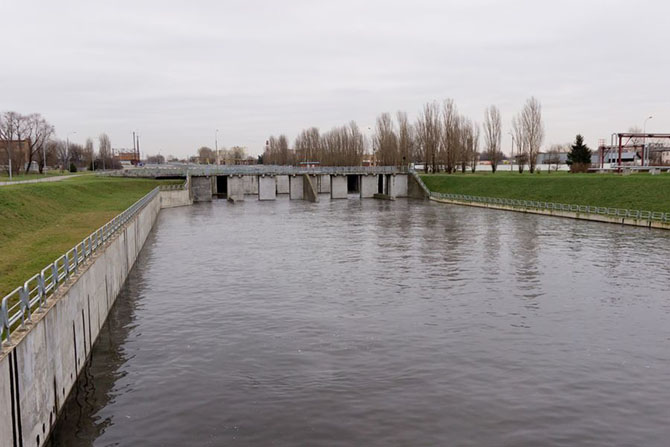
(579, 157)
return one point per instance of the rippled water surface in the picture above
(375, 323)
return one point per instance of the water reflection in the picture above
(382, 323)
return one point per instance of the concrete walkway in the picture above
(56, 178)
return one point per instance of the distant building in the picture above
(127, 157)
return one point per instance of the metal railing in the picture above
(32, 295)
(207, 170)
(551, 206)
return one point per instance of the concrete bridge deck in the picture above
(299, 183)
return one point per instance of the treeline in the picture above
(441, 139)
(30, 139)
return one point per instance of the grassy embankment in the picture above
(636, 191)
(41, 221)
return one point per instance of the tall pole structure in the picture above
(138, 149)
(216, 147)
(512, 163)
(644, 140)
(135, 150)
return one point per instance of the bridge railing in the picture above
(552, 206)
(18, 306)
(207, 170)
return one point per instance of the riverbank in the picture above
(635, 192)
(41, 221)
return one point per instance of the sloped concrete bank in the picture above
(565, 214)
(40, 366)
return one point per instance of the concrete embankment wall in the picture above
(567, 214)
(40, 367)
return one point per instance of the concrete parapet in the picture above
(309, 192)
(296, 188)
(282, 184)
(369, 186)
(338, 187)
(267, 188)
(40, 366)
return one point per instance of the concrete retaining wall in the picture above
(569, 214)
(40, 367)
(171, 199)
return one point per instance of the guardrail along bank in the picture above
(49, 324)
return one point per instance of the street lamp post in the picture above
(216, 147)
(511, 168)
(644, 140)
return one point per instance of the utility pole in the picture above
(644, 140)
(135, 150)
(512, 162)
(216, 147)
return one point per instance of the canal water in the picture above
(372, 323)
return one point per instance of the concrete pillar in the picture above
(267, 187)
(235, 187)
(282, 184)
(250, 184)
(202, 189)
(338, 187)
(324, 183)
(400, 185)
(296, 188)
(389, 187)
(368, 186)
(309, 188)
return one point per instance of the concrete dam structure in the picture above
(267, 182)
(47, 336)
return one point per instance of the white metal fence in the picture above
(24, 300)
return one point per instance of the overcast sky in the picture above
(177, 70)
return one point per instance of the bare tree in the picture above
(206, 155)
(450, 141)
(429, 133)
(406, 143)
(90, 152)
(471, 144)
(105, 151)
(282, 144)
(493, 135)
(385, 141)
(37, 131)
(12, 134)
(533, 130)
(522, 153)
